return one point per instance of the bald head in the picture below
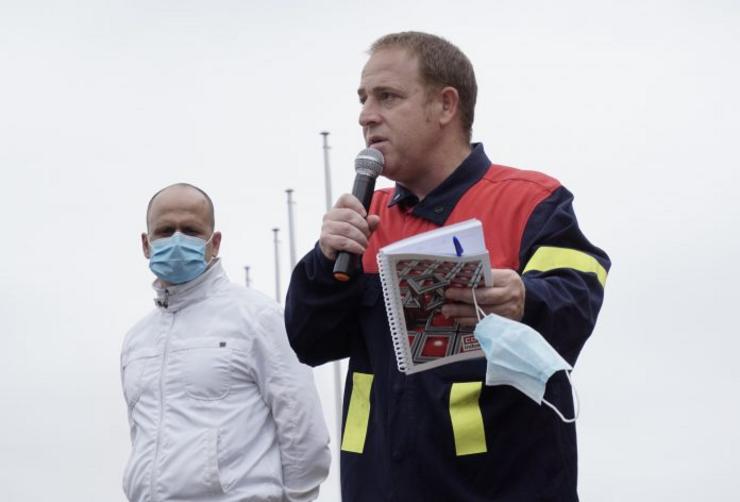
(181, 208)
(185, 195)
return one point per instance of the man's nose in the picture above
(369, 114)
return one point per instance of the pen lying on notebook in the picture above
(458, 246)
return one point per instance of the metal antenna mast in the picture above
(277, 265)
(327, 171)
(291, 228)
(337, 365)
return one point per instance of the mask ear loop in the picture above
(210, 262)
(479, 312)
(577, 403)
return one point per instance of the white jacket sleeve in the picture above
(288, 389)
(125, 400)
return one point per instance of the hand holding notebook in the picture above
(415, 273)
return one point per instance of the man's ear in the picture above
(449, 100)
(215, 244)
(145, 245)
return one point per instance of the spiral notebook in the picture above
(414, 273)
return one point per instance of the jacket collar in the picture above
(437, 206)
(179, 296)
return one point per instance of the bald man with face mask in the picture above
(219, 407)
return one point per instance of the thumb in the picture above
(373, 220)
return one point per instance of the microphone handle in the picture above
(347, 263)
(363, 189)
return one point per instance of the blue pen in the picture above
(458, 246)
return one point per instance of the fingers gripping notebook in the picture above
(414, 273)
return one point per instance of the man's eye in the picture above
(363, 99)
(386, 97)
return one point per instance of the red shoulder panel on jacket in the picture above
(503, 200)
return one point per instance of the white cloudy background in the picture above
(633, 105)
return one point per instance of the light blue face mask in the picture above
(519, 356)
(178, 258)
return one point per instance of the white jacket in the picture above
(219, 407)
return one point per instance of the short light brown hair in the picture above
(441, 64)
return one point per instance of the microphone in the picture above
(368, 165)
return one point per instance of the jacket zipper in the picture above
(155, 464)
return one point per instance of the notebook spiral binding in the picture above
(390, 297)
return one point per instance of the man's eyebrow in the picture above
(389, 88)
(161, 228)
(377, 89)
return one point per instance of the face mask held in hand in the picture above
(519, 356)
(179, 258)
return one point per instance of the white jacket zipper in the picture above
(155, 464)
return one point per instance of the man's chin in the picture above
(389, 162)
(392, 175)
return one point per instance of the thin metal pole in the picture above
(291, 228)
(277, 265)
(246, 276)
(327, 171)
(337, 365)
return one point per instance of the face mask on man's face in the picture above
(179, 258)
(519, 356)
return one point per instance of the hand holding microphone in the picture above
(345, 231)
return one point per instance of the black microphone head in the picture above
(369, 162)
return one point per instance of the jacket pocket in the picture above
(206, 367)
(214, 477)
(134, 366)
(196, 474)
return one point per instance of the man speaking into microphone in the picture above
(404, 438)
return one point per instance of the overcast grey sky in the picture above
(633, 105)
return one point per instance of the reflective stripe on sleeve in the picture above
(550, 258)
(467, 420)
(358, 413)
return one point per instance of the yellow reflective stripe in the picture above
(358, 413)
(549, 258)
(467, 420)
